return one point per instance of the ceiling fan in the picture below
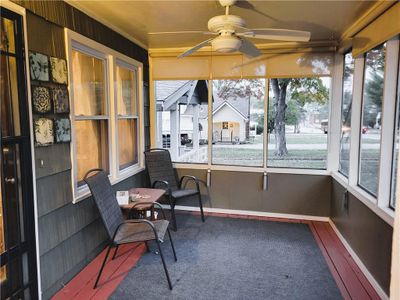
(231, 34)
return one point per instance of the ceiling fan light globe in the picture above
(226, 44)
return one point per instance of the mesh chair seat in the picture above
(183, 193)
(139, 232)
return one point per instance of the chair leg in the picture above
(102, 266)
(164, 265)
(173, 218)
(115, 252)
(147, 246)
(201, 208)
(172, 244)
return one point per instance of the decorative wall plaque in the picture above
(44, 134)
(41, 100)
(60, 100)
(63, 130)
(39, 66)
(59, 72)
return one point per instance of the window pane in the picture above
(182, 119)
(370, 136)
(91, 146)
(347, 98)
(128, 142)
(13, 206)
(3, 274)
(396, 147)
(89, 84)
(238, 122)
(9, 104)
(298, 111)
(7, 35)
(126, 91)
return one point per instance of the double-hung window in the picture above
(106, 112)
(127, 114)
(91, 111)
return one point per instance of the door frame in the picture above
(22, 12)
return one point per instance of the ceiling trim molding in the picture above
(364, 20)
(95, 16)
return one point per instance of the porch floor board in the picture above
(351, 282)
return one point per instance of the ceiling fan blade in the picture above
(248, 48)
(244, 4)
(195, 48)
(278, 34)
(182, 32)
(249, 6)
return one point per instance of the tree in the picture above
(302, 90)
(293, 114)
(242, 88)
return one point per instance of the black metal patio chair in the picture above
(122, 231)
(162, 174)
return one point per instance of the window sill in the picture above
(385, 213)
(83, 191)
(250, 169)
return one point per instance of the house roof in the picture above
(241, 105)
(168, 87)
(169, 93)
(173, 91)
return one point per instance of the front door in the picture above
(17, 235)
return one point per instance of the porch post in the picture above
(195, 133)
(159, 130)
(174, 132)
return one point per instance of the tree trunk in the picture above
(279, 91)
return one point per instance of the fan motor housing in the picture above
(226, 43)
(225, 23)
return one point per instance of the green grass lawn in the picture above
(302, 138)
(313, 159)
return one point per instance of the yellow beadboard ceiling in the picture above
(326, 20)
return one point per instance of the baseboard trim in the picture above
(253, 213)
(359, 263)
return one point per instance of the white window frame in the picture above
(393, 188)
(341, 76)
(379, 204)
(87, 46)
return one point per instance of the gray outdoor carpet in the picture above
(226, 258)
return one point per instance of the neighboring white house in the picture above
(230, 121)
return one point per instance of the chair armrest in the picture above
(143, 221)
(188, 177)
(161, 182)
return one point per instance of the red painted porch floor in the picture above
(350, 280)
